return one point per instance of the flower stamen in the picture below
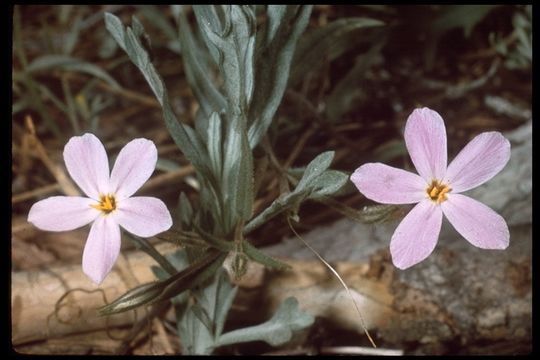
(437, 191)
(107, 204)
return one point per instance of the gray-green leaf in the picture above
(203, 322)
(277, 331)
(184, 136)
(315, 168)
(229, 31)
(273, 62)
(197, 70)
(328, 183)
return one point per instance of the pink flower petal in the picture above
(476, 222)
(87, 163)
(416, 235)
(143, 216)
(62, 213)
(425, 137)
(101, 249)
(389, 185)
(480, 160)
(134, 165)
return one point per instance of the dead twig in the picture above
(454, 91)
(359, 350)
(491, 51)
(126, 273)
(127, 94)
(41, 191)
(66, 186)
(169, 176)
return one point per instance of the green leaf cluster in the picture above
(201, 319)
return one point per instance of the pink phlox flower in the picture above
(437, 189)
(108, 204)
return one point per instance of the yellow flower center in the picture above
(107, 203)
(437, 191)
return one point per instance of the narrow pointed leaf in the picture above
(273, 61)
(138, 296)
(214, 145)
(237, 178)
(229, 31)
(199, 272)
(198, 72)
(184, 210)
(150, 293)
(184, 136)
(116, 29)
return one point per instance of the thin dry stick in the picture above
(132, 95)
(299, 146)
(283, 168)
(44, 190)
(359, 350)
(162, 334)
(128, 94)
(169, 176)
(66, 185)
(362, 322)
(491, 51)
(155, 182)
(135, 331)
(126, 273)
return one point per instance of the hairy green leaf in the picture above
(179, 260)
(272, 64)
(315, 168)
(229, 31)
(197, 71)
(116, 29)
(328, 183)
(214, 144)
(257, 255)
(150, 293)
(203, 322)
(185, 138)
(138, 296)
(277, 331)
(237, 178)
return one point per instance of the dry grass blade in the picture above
(169, 176)
(59, 174)
(362, 322)
(41, 191)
